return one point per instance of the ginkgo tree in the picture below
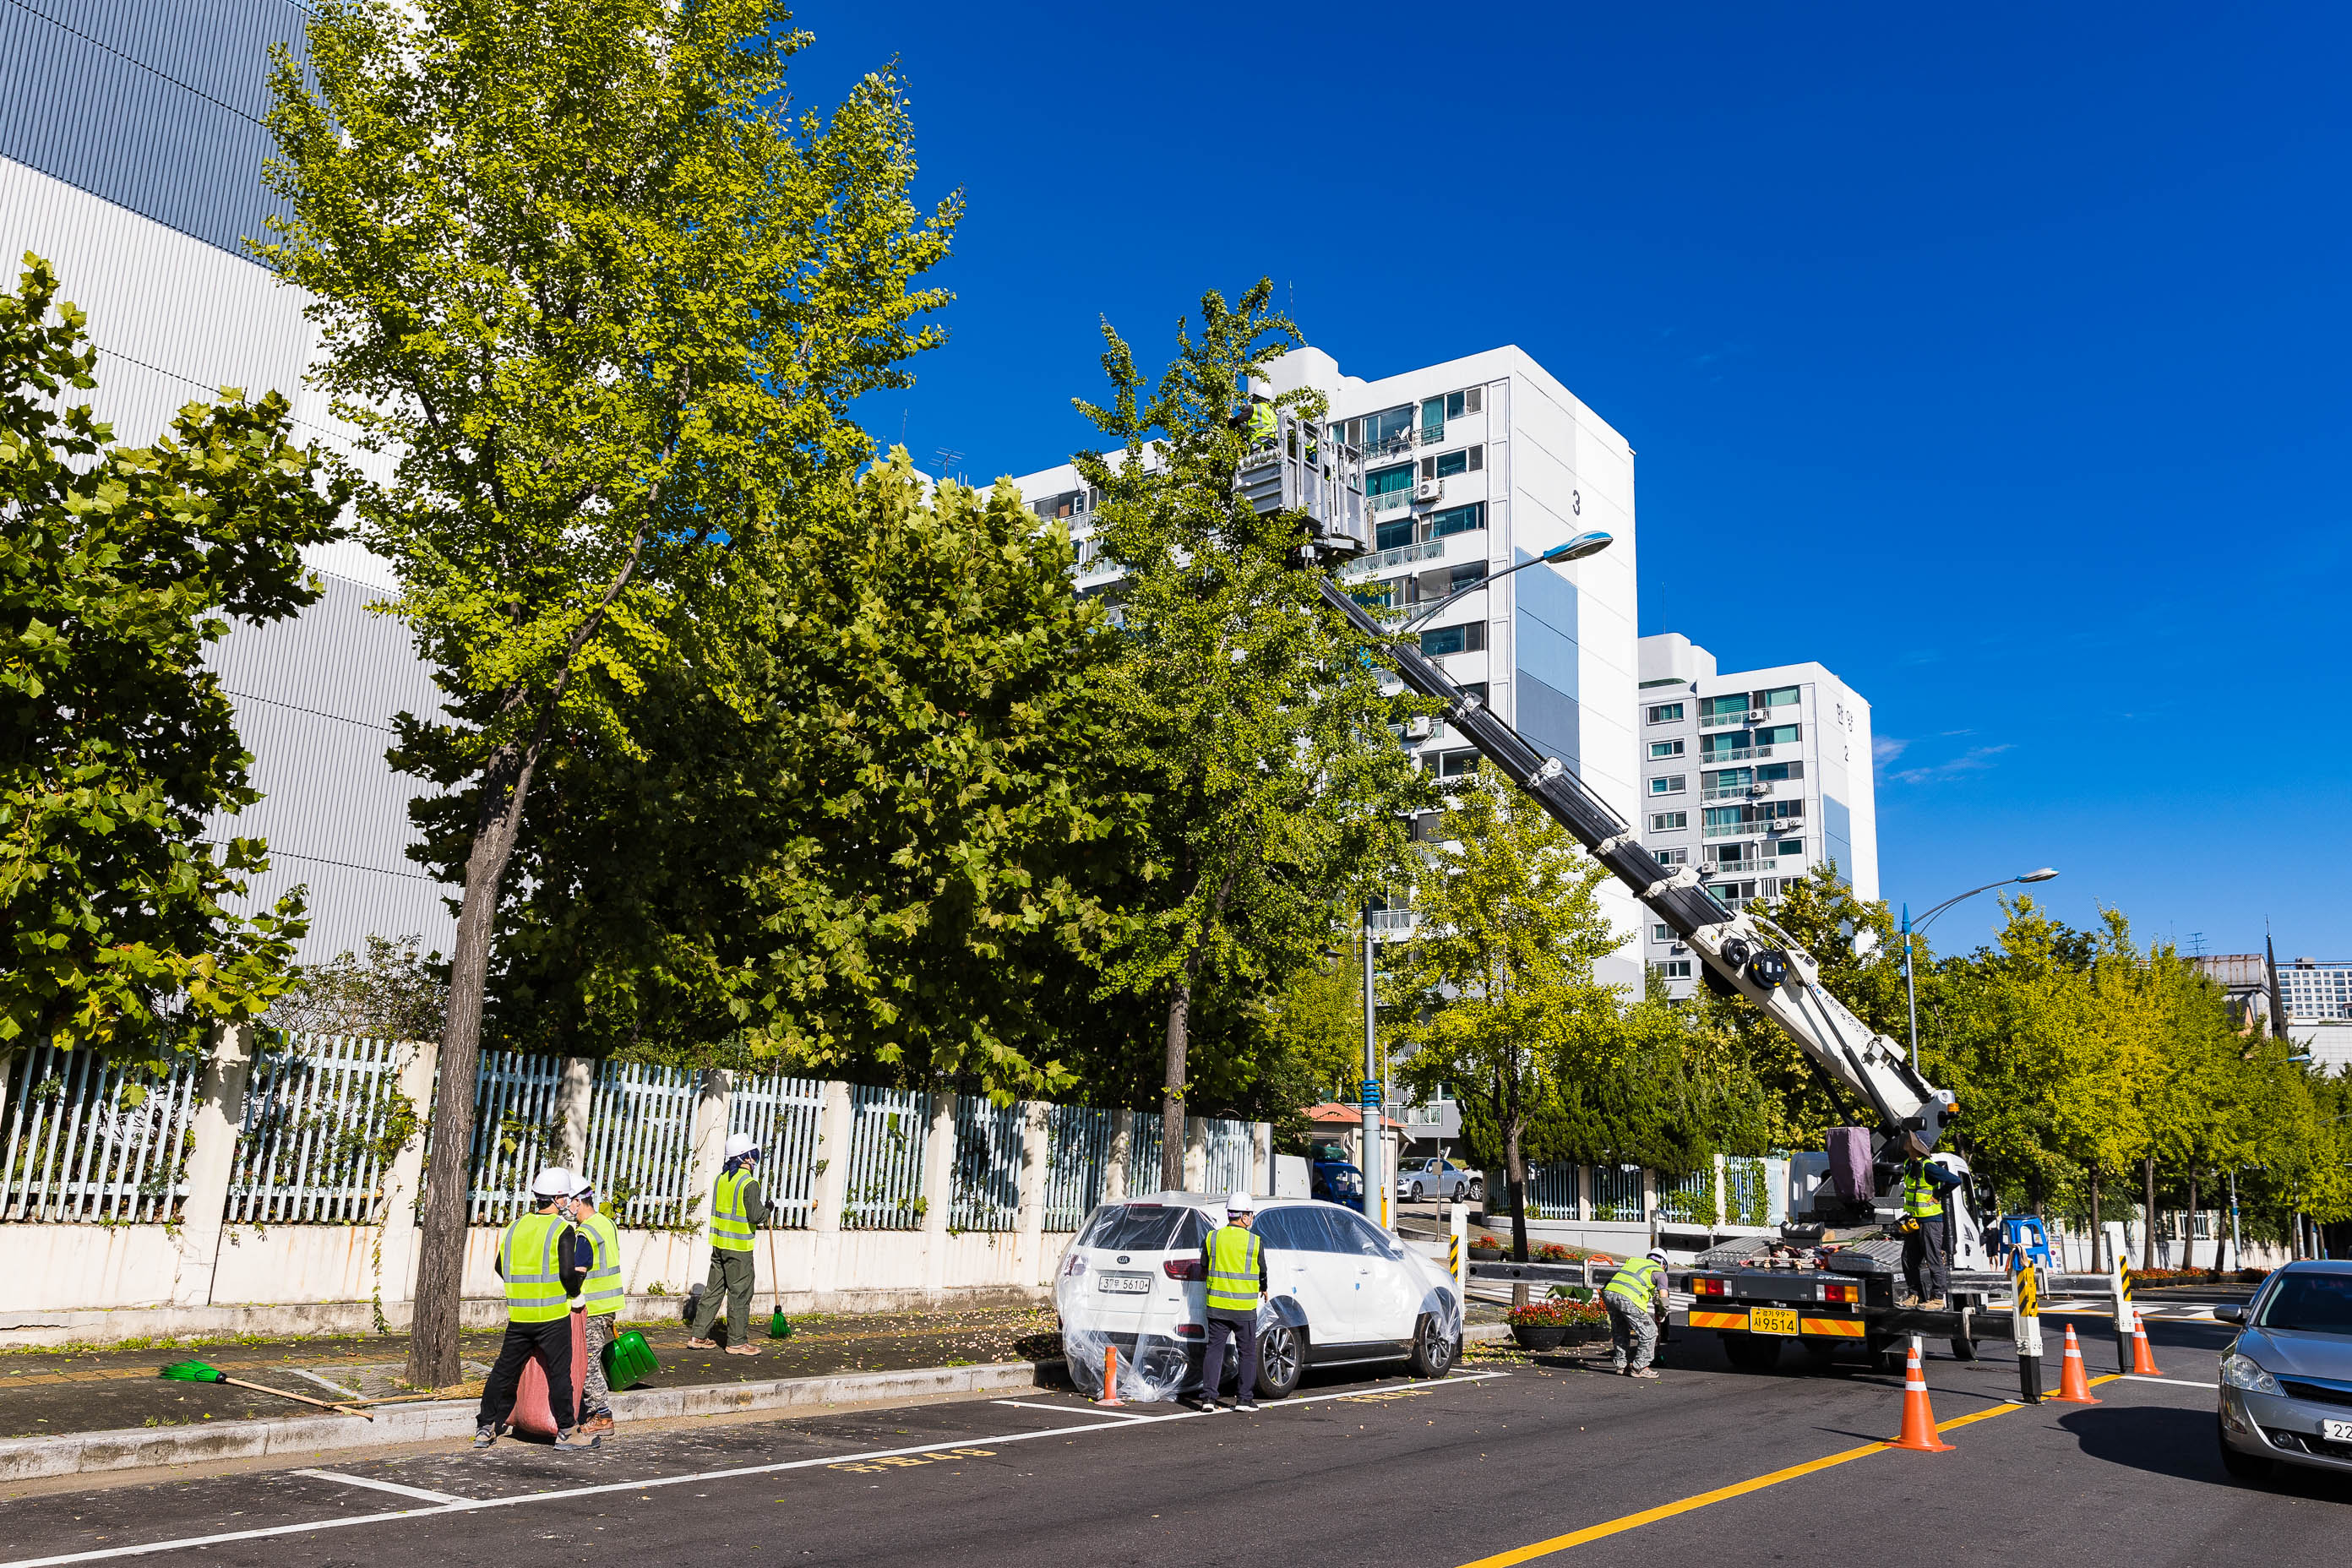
(603, 304)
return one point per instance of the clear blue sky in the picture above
(1995, 359)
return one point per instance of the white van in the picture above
(1339, 1291)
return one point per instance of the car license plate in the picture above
(1124, 1284)
(2336, 1431)
(1771, 1320)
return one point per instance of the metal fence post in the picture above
(939, 1189)
(711, 1110)
(404, 1179)
(221, 1108)
(1030, 1228)
(829, 1191)
(1122, 1147)
(573, 1093)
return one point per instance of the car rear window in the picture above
(2312, 1303)
(1144, 1227)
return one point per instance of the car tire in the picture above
(1752, 1352)
(2242, 1467)
(1477, 1191)
(1414, 1194)
(1281, 1359)
(1434, 1347)
(1962, 1349)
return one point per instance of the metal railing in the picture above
(1389, 920)
(888, 1131)
(315, 1108)
(1741, 868)
(1722, 721)
(781, 1115)
(1398, 556)
(94, 1140)
(1736, 792)
(1762, 826)
(1389, 500)
(640, 1154)
(1078, 1141)
(515, 1134)
(1733, 754)
(987, 1186)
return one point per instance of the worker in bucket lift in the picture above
(1233, 1261)
(605, 1296)
(1635, 1297)
(736, 1212)
(1926, 1226)
(544, 1261)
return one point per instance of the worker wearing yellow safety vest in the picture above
(545, 1263)
(605, 1295)
(1233, 1261)
(1635, 1297)
(736, 1212)
(1926, 1226)
(1263, 424)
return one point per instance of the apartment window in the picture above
(1455, 764)
(1665, 749)
(1667, 713)
(1662, 933)
(1778, 697)
(1470, 638)
(1777, 735)
(1735, 703)
(1669, 821)
(1673, 969)
(1387, 431)
(1794, 847)
(1394, 535)
(1445, 465)
(1461, 577)
(1672, 856)
(1457, 520)
(1670, 784)
(1388, 481)
(1662, 681)
(1778, 773)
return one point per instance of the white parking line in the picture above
(373, 1485)
(468, 1505)
(2176, 1382)
(1065, 1409)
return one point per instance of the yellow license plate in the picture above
(1771, 1320)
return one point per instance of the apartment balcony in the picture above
(1752, 829)
(1736, 792)
(1402, 555)
(1389, 500)
(1391, 920)
(1722, 721)
(1742, 867)
(1736, 754)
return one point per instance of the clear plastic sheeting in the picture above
(1113, 1293)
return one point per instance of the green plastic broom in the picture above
(204, 1371)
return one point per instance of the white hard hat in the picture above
(741, 1143)
(1241, 1203)
(554, 1182)
(1658, 1254)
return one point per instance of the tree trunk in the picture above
(2147, 1192)
(2188, 1227)
(1515, 1173)
(433, 1361)
(1171, 1104)
(2098, 1231)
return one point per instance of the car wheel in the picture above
(1752, 1352)
(1477, 1191)
(1962, 1349)
(1414, 1196)
(1281, 1357)
(2242, 1467)
(1434, 1346)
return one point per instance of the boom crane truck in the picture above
(1828, 1281)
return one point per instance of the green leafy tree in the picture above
(118, 567)
(606, 306)
(1252, 717)
(1494, 994)
(869, 869)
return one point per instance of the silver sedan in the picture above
(2286, 1379)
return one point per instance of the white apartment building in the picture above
(1470, 467)
(1754, 777)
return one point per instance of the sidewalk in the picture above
(51, 1393)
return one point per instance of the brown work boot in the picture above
(744, 1350)
(702, 1344)
(1932, 1304)
(598, 1425)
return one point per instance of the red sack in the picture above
(531, 1416)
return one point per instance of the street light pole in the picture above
(1910, 989)
(1370, 1098)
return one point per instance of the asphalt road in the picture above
(1500, 1462)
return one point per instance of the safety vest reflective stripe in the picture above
(527, 1255)
(1262, 422)
(603, 1291)
(1635, 1283)
(1920, 1200)
(1233, 1260)
(730, 1225)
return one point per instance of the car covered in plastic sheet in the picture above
(1340, 1291)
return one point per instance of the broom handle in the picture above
(321, 1404)
(775, 1277)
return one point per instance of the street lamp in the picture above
(1910, 991)
(1575, 548)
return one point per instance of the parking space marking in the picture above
(1073, 1409)
(374, 1485)
(2177, 1381)
(468, 1505)
(908, 1461)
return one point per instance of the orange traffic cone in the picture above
(1918, 1420)
(2073, 1384)
(2143, 1358)
(1110, 1376)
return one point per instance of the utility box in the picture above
(1290, 1176)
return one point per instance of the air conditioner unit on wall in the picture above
(1429, 490)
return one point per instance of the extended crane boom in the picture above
(1742, 950)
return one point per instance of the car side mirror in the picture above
(2229, 1314)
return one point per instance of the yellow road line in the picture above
(1737, 1489)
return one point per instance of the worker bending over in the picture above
(604, 1295)
(1926, 1226)
(1635, 1297)
(1232, 1260)
(737, 1211)
(544, 1262)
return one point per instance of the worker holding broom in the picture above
(737, 1209)
(545, 1263)
(604, 1295)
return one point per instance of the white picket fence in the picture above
(88, 1140)
(889, 1129)
(781, 1115)
(640, 1154)
(316, 1108)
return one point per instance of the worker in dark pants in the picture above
(1926, 1226)
(545, 1263)
(1233, 1261)
(737, 1209)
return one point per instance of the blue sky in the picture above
(1994, 358)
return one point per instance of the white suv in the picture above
(1340, 1290)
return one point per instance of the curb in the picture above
(139, 1447)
